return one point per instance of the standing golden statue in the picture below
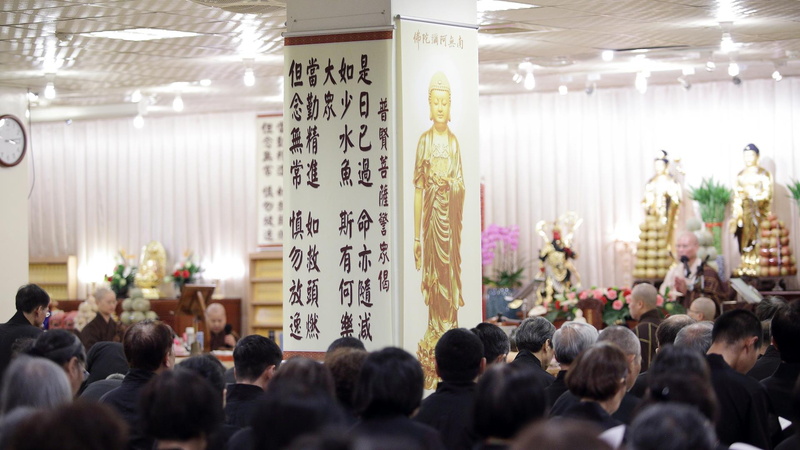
(438, 210)
(752, 203)
(555, 257)
(152, 269)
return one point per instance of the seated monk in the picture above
(220, 334)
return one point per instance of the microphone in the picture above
(228, 329)
(685, 261)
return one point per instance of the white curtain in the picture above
(543, 154)
(187, 182)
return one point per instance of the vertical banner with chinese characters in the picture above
(337, 127)
(269, 179)
(438, 81)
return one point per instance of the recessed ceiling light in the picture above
(141, 34)
(205, 82)
(501, 5)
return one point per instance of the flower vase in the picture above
(179, 288)
(497, 302)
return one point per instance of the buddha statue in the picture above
(662, 198)
(752, 204)
(152, 269)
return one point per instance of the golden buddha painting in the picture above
(438, 210)
(752, 203)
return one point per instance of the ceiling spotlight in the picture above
(777, 75)
(136, 96)
(711, 66)
(733, 69)
(641, 83)
(205, 82)
(33, 97)
(608, 55)
(563, 90)
(517, 78)
(736, 80)
(249, 77)
(530, 81)
(726, 45)
(50, 91)
(177, 103)
(138, 122)
(688, 71)
(684, 83)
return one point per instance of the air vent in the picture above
(246, 6)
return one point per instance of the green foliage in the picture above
(713, 198)
(794, 188)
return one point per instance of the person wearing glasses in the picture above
(33, 306)
(65, 349)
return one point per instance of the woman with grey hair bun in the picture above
(52, 388)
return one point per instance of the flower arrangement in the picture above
(185, 272)
(499, 247)
(121, 279)
(615, 304)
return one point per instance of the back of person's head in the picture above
(786, 332)
(573, 338)
(74, 426)
(671, 427)
(253, 355)
(686, 388)
(50, 388)
(734, 326)
(458, 355)
(179, 405)
(208, 367)
(345, 342)
(533, 332)
(598, 373)
(391, 381)
(495, 341)
(512, 340)
(706, 306)
(30, 297)
(59, 346)
(768, 306)
(679, 359)
(561, 434)
(147, 345)
(668, 329)
(645, 293)
(345, 365)
(104, 359)
(623, 338)
(294, 411)
(300, 370)
(696, 336)
(506, 401)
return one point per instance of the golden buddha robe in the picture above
(752, 203)
(662, 198)
(438, 175)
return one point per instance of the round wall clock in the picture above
(13, 141)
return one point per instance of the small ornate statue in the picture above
(152, 269)
(555, 257)
(752, 204)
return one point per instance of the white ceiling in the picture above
(563, 39)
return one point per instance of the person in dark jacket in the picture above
(459, 361)
(769, 360)
(33, 306)
(786, 338)
(148, 349)
(255, 360)
(536, 348)
(568, 342)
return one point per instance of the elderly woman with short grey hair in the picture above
(535, 348)
(52, 387)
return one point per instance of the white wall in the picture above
(13, 213)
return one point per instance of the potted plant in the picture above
(121, 278)
(713, 199)
(499, 250)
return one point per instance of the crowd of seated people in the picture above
(566, 388)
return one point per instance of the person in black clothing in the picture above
(255, 360)
(568, 342)
(667, 427)
(535, 348)
(33, 305)
(459, 361)
(389, 389)
(496, 344)
(345, 364)
(744, 403)
(66, 350)
(180, 409)
(598, 378)
(786, 338)
(148, 349)
(769, 357)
